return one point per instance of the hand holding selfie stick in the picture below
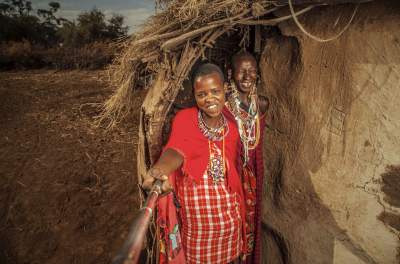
(130, 252)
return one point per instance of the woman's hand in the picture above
(156, 174)
(169, 161)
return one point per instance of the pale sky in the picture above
(134, 11)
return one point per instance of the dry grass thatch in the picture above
(179, 28)
(161, 41)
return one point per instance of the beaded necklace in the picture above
(247, 121)
(216, 164)
(214, 134)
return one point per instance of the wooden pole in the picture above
(132, 248)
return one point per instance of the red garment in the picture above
(211, 222)
(168, 224)
(187, 139)
(249, 190)
(252, 175)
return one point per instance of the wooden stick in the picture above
(132, 248)
(229, 19)
(158, 37)
(171, 43)
(151, 56)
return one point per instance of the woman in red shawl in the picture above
(201, 160)
(248, 110)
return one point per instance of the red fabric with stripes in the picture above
(211, 221)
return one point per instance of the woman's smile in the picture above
(210, 96)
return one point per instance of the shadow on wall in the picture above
(391, 189)
(297, 226)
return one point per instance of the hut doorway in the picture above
(331, 143)
(254, 39)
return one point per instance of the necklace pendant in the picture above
(216, 168)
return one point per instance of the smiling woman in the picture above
(209, 92)
(200, 159)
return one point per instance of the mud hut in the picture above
(331, 72)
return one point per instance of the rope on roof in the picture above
(315, 37)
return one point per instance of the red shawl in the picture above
(187, 139)
(256, 165)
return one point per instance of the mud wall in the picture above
(332, 143)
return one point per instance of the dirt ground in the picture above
(67, 188)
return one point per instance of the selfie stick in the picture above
(132, 247)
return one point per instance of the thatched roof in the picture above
(179, 33)
(327, 2)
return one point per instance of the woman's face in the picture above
(209, 94)
(245, 73)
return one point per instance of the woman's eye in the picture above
(216, 91)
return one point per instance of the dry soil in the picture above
(67, 188)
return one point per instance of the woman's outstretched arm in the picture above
(169, 161)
